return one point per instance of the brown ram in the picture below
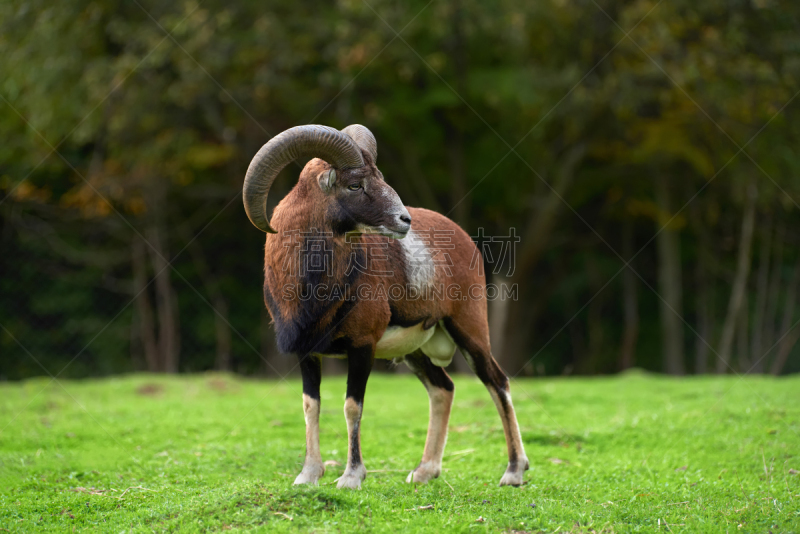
(350, 272)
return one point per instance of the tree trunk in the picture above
(534, 240)
(762, 282)
(222, 329)
(630, 303)
(743, 345)
(703, 304)
(592, 362)
(704, 292)
(166, 303)
(739, 281)
(540, 226)
(498, 314)
(789, 339)
(669, 285)
(784, 349)
(223, 334)
(772, 311)
(143, 307)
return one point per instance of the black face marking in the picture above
(340, 219)
(362, 198)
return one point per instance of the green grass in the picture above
(635, 453)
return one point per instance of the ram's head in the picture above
(356, 197)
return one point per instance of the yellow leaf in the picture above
(208, 155)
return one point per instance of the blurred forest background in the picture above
(660, 133)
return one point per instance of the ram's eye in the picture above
(354, 187)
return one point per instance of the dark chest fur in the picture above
(313, 292)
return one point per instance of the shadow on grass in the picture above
(554, 440)
(258, 506)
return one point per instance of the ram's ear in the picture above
(326, 180)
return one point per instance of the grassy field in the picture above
(634, 453)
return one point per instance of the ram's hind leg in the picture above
(313, 468)
(440, 391)
(472, 337)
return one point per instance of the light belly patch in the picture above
(398, 341)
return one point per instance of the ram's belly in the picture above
(398, 341)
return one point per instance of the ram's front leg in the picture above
(313, 468)
(359, 365)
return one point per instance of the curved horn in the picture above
(311, 141)
(364, 139)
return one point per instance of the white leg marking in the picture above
(430, 467)
(313, 468)
(355, 471)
